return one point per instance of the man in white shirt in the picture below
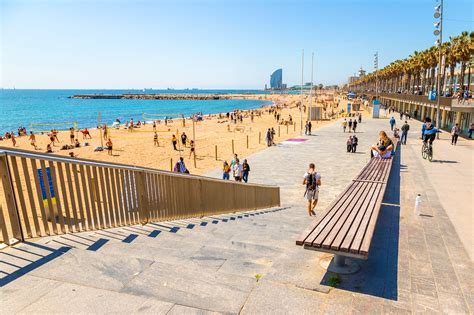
(312, 180)
(237, 170)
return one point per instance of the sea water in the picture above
(52, 109)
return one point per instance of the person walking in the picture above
(237, 171)
(392, 123)
(471, 130)
(174, 141)
(355, 142)
(71, 135)
(33, 140)
(344, 125)
(360, 118)
(455, 131)
(354, 125)
(306, 128)
(309, 127)
(268, 137)
(350, 125)
(245, 171)
(13, 139)
(192, 149)
(234, 160)
(184, 139)
(273, 136)
(312, 180)
(349, 144)
(156, 143)
(226, 171)
(405, 129)
(109, 146)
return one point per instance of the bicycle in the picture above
(427, 151)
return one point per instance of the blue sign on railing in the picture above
(432, 96)
(50, 183)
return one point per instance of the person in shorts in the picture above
(237, 171)
(312, 180)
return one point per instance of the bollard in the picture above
(278, 131)
(194, 158)
(216, 151)
(233, 151)
(286, 129)
(247, 141)
(259, 137)
(171, 164)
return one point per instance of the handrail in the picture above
(45, 194)
(444, 101)
(82, 161)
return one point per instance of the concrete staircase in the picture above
(210, 263)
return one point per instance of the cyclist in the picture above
(429, 131)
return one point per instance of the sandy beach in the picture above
(137, 147)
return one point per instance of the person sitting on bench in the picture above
(384, 147)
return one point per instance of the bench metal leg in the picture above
(339, 260)
(339, 264)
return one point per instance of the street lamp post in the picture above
(311, 91)
(301, 105)
(439, 32)
(376, 67)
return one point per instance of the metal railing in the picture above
(43, 194)
(419, 99)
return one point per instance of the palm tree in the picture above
(463, 54)
(419, 70)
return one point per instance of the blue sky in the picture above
(208, 44)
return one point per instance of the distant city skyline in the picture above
(209, 44)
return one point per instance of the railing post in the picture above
(10, 199)
(143, 204)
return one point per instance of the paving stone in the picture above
(425, 304)
(196, 287)
(423, 286)
(24, 291)
(276, 298)
(93, 269)
(81, 299)
(452, 303)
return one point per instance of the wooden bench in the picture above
(347, 226)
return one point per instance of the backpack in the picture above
(311, 182)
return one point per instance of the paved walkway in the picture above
(416, 264)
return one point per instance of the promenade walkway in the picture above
(200, 266)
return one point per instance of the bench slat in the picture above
(350, 242)
(364, 234)
(367, 169)
(334, 213)
(326, 239)
(321, 215)
(344, 239)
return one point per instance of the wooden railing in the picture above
(43, 194)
